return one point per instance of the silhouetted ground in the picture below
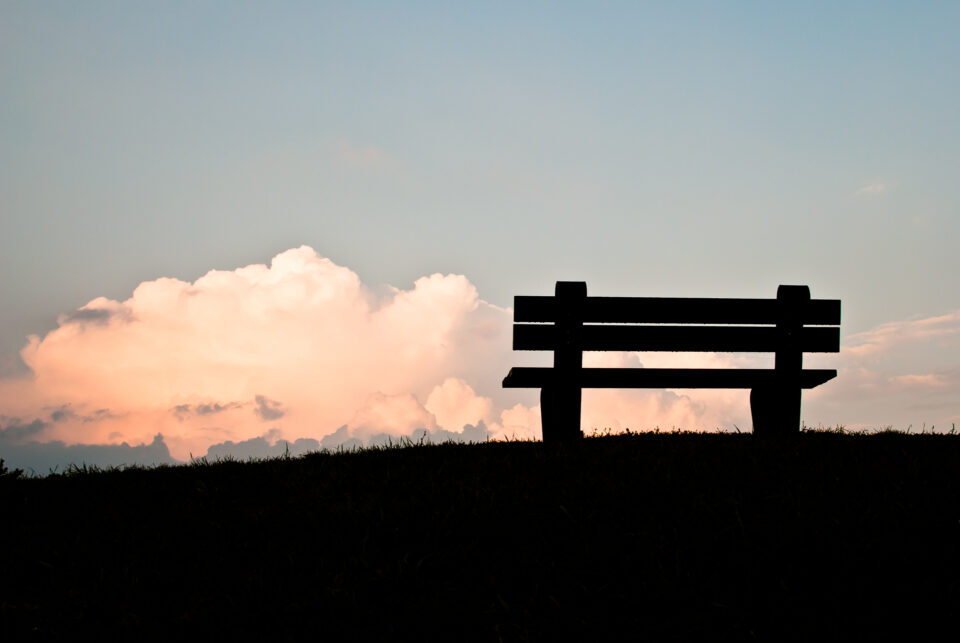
(650, 536)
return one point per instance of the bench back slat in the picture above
(761, 339)
(675, 310)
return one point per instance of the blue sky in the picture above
(673, 149)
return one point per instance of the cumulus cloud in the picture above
(454, 404)
(241, 361)
(301, 345)
(395, 415)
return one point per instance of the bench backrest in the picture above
(789, 325)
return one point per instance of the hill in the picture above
(653, 536)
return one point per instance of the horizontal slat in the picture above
(544, 337)
(538, 377)
(668, 310)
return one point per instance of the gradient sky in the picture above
(669, 149)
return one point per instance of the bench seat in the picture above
(540, 377)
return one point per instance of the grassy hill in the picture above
(661, 536)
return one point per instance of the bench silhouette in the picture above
(788, 326)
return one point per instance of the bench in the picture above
(570, 322)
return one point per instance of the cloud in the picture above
(341, 439)
(394, 415)
(469, 433)
(875, 188)
(900, 373)
(520, 423)
(183, 411)
(267, 409)
(871, 189)
(942, 329)
(270, 445)
(927, 381)
(92, 315)
(210, 409)
(304, 347)
(15, 431)
(454, 404)
(61, 413)
(41, 458)
(99, 311)
(301, 342)
(65, 412)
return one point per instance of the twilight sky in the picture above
(230, 224)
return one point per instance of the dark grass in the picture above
(638, 537)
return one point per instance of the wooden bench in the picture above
(570, 323)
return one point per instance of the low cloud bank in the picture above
(41, 458)
(301, 355)
(898, 374)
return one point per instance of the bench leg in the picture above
(775, 410)
(560, 414)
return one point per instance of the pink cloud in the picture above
(886, 337)
(395, 415)
(300, 345)
(898, 373)
(519, 423)
(929, 380)
(454, 404)
(302, 349)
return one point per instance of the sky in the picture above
(230, 228)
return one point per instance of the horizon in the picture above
(238, 228)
